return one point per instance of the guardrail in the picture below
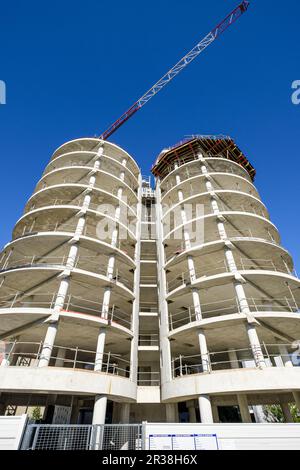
(85, 263)
(28, 354)
(240, 358)
(221, 267)
(148, 339)
(78, 203)
(148, 379)
(230, 306)
(215, 236)
(189, 172)
(72, 304)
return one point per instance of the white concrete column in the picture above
(288, 418)
(99, 413)
(205, 409)
(180, 195)
(53, 327)
(172, 413)
(230, 260)
(215, 413)
(125, 413)
(48, 344)
(61, 355)
(241, 297)
(255, 346)
(192, 411)
(221, 230)
(105, 302)
(203, 351)
(191, 267)
(197, 304)
(111, 266)
(72, 256)
(100, 349)
(244, 408)
(234, 363)
(214, 206)
(285, 357)
(80, 226)
(165, 348)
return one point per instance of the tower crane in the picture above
(186, 60)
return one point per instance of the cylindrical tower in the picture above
(67, 285)
(229, 295)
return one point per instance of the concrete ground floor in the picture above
(67, 409)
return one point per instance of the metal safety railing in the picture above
(83, 437)
(28, 354)
(148, 379)
(229, 306)
(86, 263)
(148, 307)
(273, 354)
(148, 339)
(210, 236)
(74, 304)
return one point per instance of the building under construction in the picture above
(121, 303)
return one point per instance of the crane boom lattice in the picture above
(186, 60)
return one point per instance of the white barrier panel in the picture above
(11, 431)
(229, 436)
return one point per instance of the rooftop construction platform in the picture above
(188, 149)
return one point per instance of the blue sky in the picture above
(72, 67)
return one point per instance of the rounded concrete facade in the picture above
(123, 303)
(67, 279)
(231, 295)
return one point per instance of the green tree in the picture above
(274, 413)
(36, 414)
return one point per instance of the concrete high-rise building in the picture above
(123, 303)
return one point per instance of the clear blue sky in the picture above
(72, 67)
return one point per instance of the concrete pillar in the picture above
(172, 413)
(75, 410)
(61, 354)
(214, 206)
(125, 413)
(72, 256)
(203, 351)
(296, 396)
(286, 359)
(244, 408)
(234, 363)
(230, 260)
(99, 413)
(192, 411)
(255, 346)
(111, 266)
(288, 418)
(53, 327)
(48, 345)
(191, 267)
(241, 297)
(197, 305)
(105, 302)
(205, 409)
(221, 230)
(100, 349)
(215, 413)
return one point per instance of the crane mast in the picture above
(187, 59)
